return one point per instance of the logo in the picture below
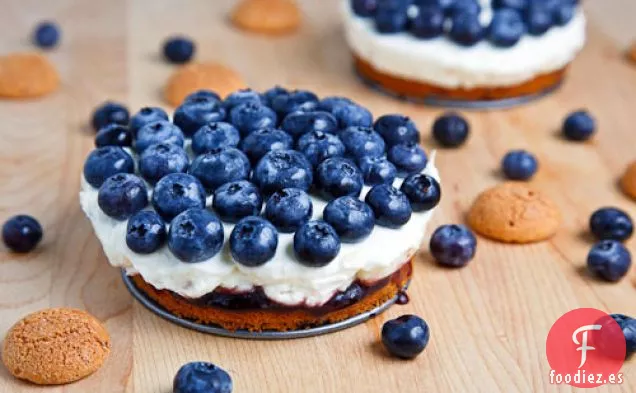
(585, 349)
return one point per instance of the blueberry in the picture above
(579, 126)
(408, 158)
(293, 101)
(423, 191)
(337, 176)
(453, 245)
(253, 241)
(451, 130)
(240, 97)
(106, 161)
(280, 169)
(195, 235)
(237, 199)
(21, 233)
(177, 192)
(377, 170)
(364, 8)
(609, 260)
(428, 23)
(350, 115)
(316, 243)
(269, 95)
(288, 209)
(518, 5)
(178, 50)
(443, 4)
(298, 124)
(352, 219)
(328, 104)
(161, 159)
(628, 326)
(262, 141)
(317, 146)
(195, 113)
(564, 14)
(109, 112)
(362, 142)
(252, 116)
(202, 95)
(390, 20)
(506, 28)
(519, 165)
(145, 116)
(463, 7)
(391, 207)
(122, 195)
(406, 336)
(538, 18)
(466, 29)
(215, 135)
(113, 135)
(396, 129)
(201, 377)
(610, 223)
(145, 232)
(220, 166)
(46, 35)
(158, 132)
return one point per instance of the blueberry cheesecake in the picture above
(279, 211)
(464, 50)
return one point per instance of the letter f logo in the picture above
(583, 344)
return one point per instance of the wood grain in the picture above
(489, 321)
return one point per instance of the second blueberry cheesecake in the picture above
(274, 211)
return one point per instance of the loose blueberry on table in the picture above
(21, 233)
(406, 336)
(579, 126)
(519, 165)
(178, 50)
(46, 35)
(108, 113)
(453, 245)
(610, 223)
(201, 377)
(609, 260)
(451, 130)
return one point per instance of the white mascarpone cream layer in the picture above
(441, 62)
(283, 278)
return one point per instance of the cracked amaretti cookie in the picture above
(275, 211)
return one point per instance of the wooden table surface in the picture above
(489, 321)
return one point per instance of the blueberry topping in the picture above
(161, 159)
(201, 96)
(352, 219)
(563, 14)
(252, 116)
(270, 94)
(240, 97)
(391, 207)
(609, 260)
(538, 18)
(390, 18)
(158, 132)
(195, 235)
(350, 115)
(506, 28)
(21, 233)
(610, 223)
(453, 245)
(316, 243)
(109, 112)
(201, 377)
(328, 104)
(377, 170)
(463, 7)
(178, 50)
(298, 124)
(122, 195)
(253, 241)
(364, 8)
(213, 136)
(195, 113)
(261, 142)
(408, 158)
(280, 169)
(106, 161)
(519, 165)
(145, 116)
(579, 126)
(396, 129)
(296, 100)
(177, 192)
(317, 146)
(428, 23)
(145, 232)
(451, 130)
(46, 35)
(362, 142)
(237, 199)
(406, 336)
(220, 166)
(337, 176)
(466, 29)
(518, 5)
(288, 209)
(423, 191)
(113, 135)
